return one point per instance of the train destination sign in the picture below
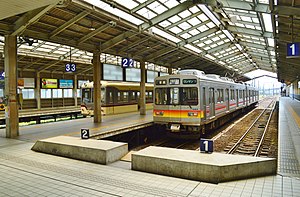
(293, 50)
(174, 81)
(189, 81)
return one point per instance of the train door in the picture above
(227, 98)
(237, 97)
(244, 97)
(211, 100)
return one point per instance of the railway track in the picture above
(255, 141)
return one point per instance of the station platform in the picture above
(28, 173)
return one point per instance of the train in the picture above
(191, 102)
(116, 97)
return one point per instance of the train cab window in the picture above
(150, 95)
(110, 97)
(189, 96)
(87, 95)
(125, 96)
(174, 96)
(161, 96)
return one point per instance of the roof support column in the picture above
(170, 71)
(10, 67)
(97, 87)
(38, 90)
(143, 89)
(75, 91)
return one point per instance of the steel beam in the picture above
(116, 40)
(159, 53)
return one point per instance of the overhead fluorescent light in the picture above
(210, 15)
(228, 34)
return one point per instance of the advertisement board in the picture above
(65, 83)
(49, 83)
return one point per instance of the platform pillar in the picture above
(10, 68)
(97, 87)
(143, 89)
(75, 91)
(38, 90)
(170, 70)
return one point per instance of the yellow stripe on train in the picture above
(178, 113)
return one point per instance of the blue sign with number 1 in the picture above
(206, 145)
(293, 50)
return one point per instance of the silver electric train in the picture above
(192, 102)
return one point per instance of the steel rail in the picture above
(265, 131)
(244, 135)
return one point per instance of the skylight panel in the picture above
(210, 56)
(194, 32)
(271, 42)
(175, 30)
(250, 26)
(202, 28)
(141, 1)
(215, 38)
(214, 45)
(267, 22)
(239, 24)
(202, 17)
(264, 1)
(220, 43)
(194, 9)
(255, 20)
(169, 3)
(195, 49)
(184, 25)
(207, 48)
(165, 23)
(25, 46)
(201, 44)
(157, 7)
(185, 14)
(208, 42)
(246, 18)
(49, 46)
(185, 36)
(146, 13)
(258, 28)
(194, 21)
(174, 19)
(60, 52)
(210, 24)
(128, 3)
(165, 35)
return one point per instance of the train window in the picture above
(189, 96)
(28, 93)
(125, 96)
(220, 95)
(87, 95)
(174, 96)
(161, 96)
(68, 93)
(110, 97)
(150, 95)
(56, 93)
(232, 95)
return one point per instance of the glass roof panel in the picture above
(194, 32)
(169, 3)
(175, 30)
(174, 19)
(185, 25)
(185, 14)
(202, 17)
(202, 28)
(165, 23)
(157, 7)
(194, 9)
(146, 13)
(130, 4)
(193, 48)
(194, 21)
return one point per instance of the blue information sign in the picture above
(127, 62)
(293, 50)
(2, 75)
(70, 67)
(206, 145)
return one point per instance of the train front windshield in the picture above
(176, 96)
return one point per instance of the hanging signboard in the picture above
(65, 83)
(127, 62)
(70, 67)
(2, 75)
(293, 50)
(49, 83)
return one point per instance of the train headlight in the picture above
(159, 113)
(192, 113)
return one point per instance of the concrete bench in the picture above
(213, 168)
(97, 151)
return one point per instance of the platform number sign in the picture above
(2, 75)
(293, 50)
(206, 145)
(85, 133)
(70, 67)
(127, 62)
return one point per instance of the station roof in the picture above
(226, 37)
